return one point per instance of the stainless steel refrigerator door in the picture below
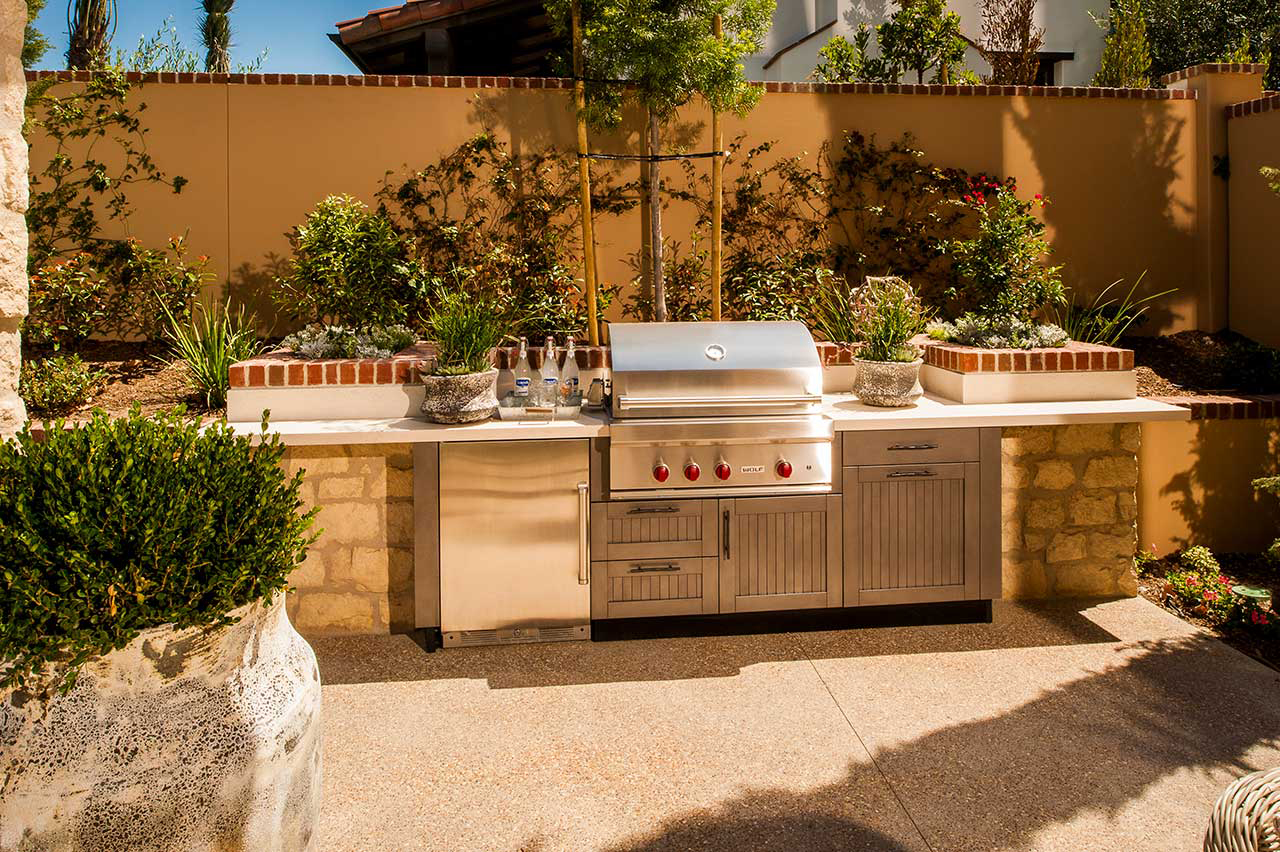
(513, 544)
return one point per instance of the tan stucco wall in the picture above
(1255, 228)
(13, 206)
(1121, 173)
(1195, 485)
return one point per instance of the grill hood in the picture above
(707, 369)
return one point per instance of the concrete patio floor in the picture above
(1108, 726)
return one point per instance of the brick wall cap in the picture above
(1074, 357)
(1213, 68)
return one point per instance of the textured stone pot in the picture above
(461, 399)
(182, 741)
(890, 384)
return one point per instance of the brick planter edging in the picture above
(1268, 102)
(1213, 68)
(1074, 357)
(1242, 407)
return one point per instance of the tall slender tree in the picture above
(1126, 55)
(921, 35)
(659, 55)
(34, 44)
(215, 32)
(1011, 41)
(91, 24)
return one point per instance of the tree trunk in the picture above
(655, 221)
(717, 198)
(589, 281)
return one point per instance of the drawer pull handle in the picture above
(648, 569)
(898, 474)
(914, 447)
(726, 533)
(655, 510)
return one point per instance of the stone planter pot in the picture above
(182, 741)
(889, 384)
(460, 399)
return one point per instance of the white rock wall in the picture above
(13, 207)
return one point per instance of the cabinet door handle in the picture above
(914, 447)
(726, 533)
(584, 539)
(898, 474)
(649, 569)
(654, 510)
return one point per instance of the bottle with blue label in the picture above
(524, 377)
(549, 394)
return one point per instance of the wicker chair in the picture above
(1246, 817)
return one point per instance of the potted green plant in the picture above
(886, 315)
(153, 693)
(462, 383)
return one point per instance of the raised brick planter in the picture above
(285, 370)
(1077, 371)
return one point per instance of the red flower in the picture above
(1210, 595)
(1258, 617)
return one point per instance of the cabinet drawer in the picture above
(914, 446)
(667, 529)
(639, 588)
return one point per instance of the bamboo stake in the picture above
(584, 178)
(717, 193)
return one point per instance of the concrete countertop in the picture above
(847, 413)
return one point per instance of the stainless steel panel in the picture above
(512, 542)
(911, 446)
(752, 447)
(709, 368)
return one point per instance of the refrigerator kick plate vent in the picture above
(516, 636)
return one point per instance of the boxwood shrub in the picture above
(118, 525)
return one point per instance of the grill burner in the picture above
(737, 399)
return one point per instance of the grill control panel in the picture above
(764, 468)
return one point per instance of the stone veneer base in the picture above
(985, 388)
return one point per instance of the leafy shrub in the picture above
(772, 288)
(465, 328)
(506, 224)
(1200, 560)
(59, 383)
(1105, 320)
(832, 310)
(336, 341)
(350, 265)
(1001, 268)
(66, 301)
(1272, 177)
(1207, 594)
(687, 295)
(998, 333)
(1270, 485)
(842, 61)
(887, 315)
(208, 345)
(115, 526)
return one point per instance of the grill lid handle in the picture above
(625, 401)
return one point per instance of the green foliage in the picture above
(686, 283)
(114, 526)
(1106, 320)
(215, 33)
(90, 27)
(99, 154)
(1204, 593)
(336, 341)
(1272, 177)
(207, 346)
(1270, 485)
(1200, 560)
(833, 314)
(1183, 33)
(465, 328)
(842, 61)
(34, 44)
(58, 384)
(666, 51)
(998, 332)
(1001, 269)
(772, 288)
(66, 302)
(921, 35)
(509, 224)
(350, 265)
(164, 51)
(1126, 55)
(887, 315)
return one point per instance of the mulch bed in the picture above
(136, 375)
(1250, 569)
(1199, 363)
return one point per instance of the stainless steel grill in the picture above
(717, 408)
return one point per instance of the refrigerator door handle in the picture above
(584, 539)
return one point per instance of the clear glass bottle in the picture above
(521, 396)
(570, 392)
(549, 393)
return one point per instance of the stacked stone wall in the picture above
(358, 576)
(13, 208)
(1070, 510)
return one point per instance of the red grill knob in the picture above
(661, 472)
(692, 472)
(723, 470)
(784, 469)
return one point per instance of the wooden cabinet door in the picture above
(780, 553)
(911, 533)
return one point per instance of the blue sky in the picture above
(293, 31)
